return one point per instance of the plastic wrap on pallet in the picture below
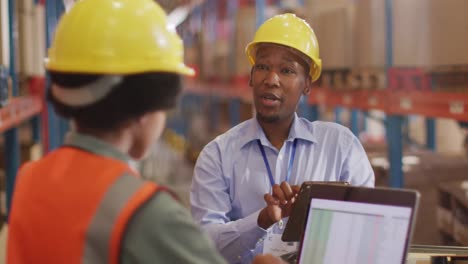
(336, 78)
(245, 31)
(371, 78)
(450, 78)
(409, 79)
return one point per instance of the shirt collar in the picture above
(298, 130)
(94, 145)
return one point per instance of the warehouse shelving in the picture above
(233, 90)
(19, 110)
(396, 104)
(16, 112)
(429, 104)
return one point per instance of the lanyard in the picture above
(267, 165)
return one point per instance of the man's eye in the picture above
(287, 71)
(261, 67)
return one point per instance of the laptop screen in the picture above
(354, 232)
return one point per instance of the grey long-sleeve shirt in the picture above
(162, 230)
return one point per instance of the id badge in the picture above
(273, 243)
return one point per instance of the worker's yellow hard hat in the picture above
(116, 37)
(290, 31)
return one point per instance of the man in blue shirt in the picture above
(245, 180)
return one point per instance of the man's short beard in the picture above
(267, 119)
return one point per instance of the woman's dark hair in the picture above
(134, 96)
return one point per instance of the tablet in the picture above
(296, 223)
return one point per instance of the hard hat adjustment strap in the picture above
(88, 94)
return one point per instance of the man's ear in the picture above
(250, 79)
(307, 86)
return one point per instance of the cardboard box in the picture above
(369, 37)
(448, 25)
(444, 212)
(452, 213)
(4, 31)
(31, 38)
(334, 33)
(425, 32)
(245, 31)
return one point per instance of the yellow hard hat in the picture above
(116, 37)
(290, 31)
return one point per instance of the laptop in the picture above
(357, 225)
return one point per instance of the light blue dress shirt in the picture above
(230, 177)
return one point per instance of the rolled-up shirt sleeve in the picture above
(211, 208)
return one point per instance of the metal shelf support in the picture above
(260, 6)
(395, 148)
(338, 111)
(12, 148)
(314, 113)
(431, 133)
(394, 122)
(234, 111)
(57, 127)
(355, 122)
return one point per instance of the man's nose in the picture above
(272, 78)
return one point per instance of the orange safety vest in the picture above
(73, 206)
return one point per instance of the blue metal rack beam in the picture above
(355, 122)
(314, 113)
(395, 149)
(364, 124)
(431, 134)
(260, 6)
(234, 111)
(36, 129)
(338, 111)
(234, 103)
(394, 122)
(57, 127)
(12, 148)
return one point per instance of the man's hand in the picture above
(279, 204)
(267, 259)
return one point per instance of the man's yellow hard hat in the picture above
(291, 31)
(116, 37)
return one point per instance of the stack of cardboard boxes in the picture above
(429, 36)
(452, 212)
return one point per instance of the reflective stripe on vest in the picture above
(102, 242)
